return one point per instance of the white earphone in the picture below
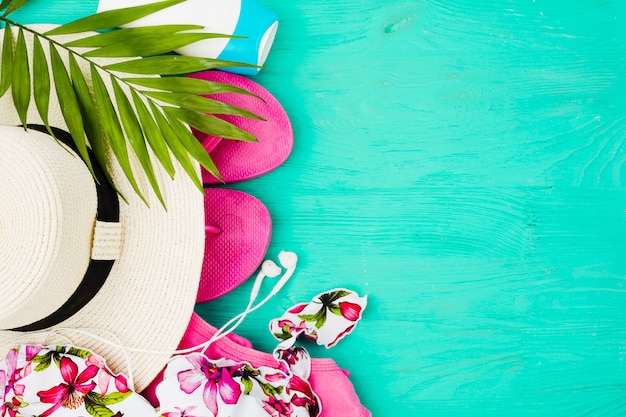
(288, 260)
(268, 269)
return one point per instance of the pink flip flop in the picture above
(239, 161)
(238, 230)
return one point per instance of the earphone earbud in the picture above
(270, 269)
(288, 259)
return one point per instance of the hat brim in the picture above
(148, 297)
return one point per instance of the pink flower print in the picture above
(216, 379)
(11, 408)
(341, 335)
(32, 351)
(277, 408)
(180, 412)
(292, 355)
(120, 383)
(71, 393)
(298, 384)
(288, 328)
(298, 308)
(105, 376)
(327, 302)
(293, 328)
(278, 376)
(309, 400)
(96, 360)
(12, 375)
(5, 404)
(350, 311)
(3, 383)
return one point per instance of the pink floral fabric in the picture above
(64, 381)
(227, 388)
(328, 318)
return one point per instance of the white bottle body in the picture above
(229, 17)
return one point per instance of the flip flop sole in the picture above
(239, 161)
(239, 229)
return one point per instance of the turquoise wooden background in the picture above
(462, 163)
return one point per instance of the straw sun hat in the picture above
(58, 231)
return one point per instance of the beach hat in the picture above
(61, 235)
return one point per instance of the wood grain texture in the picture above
(463, 164)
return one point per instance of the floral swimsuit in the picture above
(68, 381)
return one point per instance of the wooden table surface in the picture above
(463, 164)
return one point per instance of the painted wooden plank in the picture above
(463, 164)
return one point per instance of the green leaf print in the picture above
(108, 399)
(247, 385)
(271, 391)
(96, 409)
(81, 353)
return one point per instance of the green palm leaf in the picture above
(16, 4)
(6, 68)
(21, 78)
(117, 36)
(153, 135)
(122, 115)
(172, 65)
(211, 124)
(135, 136)
(201, 104)
(69, 105)
(192, 145)
(149, 45)
(41, 82)
(89, 113)
(177, 148)
(111, 18)
(112, 129)
(188, 85)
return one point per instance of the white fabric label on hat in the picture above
(106, 241)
